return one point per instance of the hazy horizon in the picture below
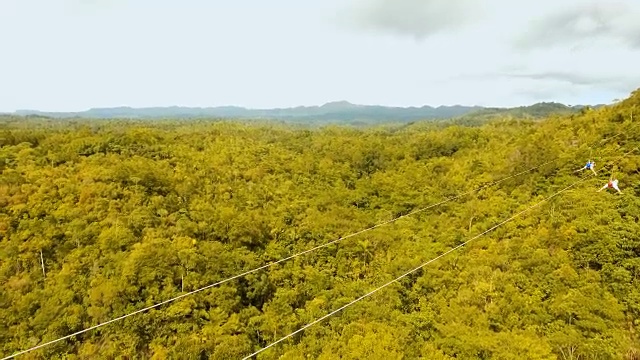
(74, 55)
(292, 107)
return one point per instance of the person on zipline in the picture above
(612, 184)
(590, 166)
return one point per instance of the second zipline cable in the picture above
(428, 262)
(413, 270)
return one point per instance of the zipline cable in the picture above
(279, 261)
(271, 263)
(421, 266)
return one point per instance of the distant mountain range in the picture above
(339, 112)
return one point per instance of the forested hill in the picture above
(101, 218)
(335, 112)
(535, 111)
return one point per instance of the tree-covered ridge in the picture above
(128, 214)
(535, 111)
(339, 112)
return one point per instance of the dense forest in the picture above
(99, 218)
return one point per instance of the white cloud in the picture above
(417, 18)
(578, 47)
(584, 24)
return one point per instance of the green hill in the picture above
(100, 218)
(535, 111)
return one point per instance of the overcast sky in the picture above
(71, 55)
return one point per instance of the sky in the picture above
(72, 55)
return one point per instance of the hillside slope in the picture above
(535, 111)
(125, 215)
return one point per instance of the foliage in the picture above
(130, 213)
